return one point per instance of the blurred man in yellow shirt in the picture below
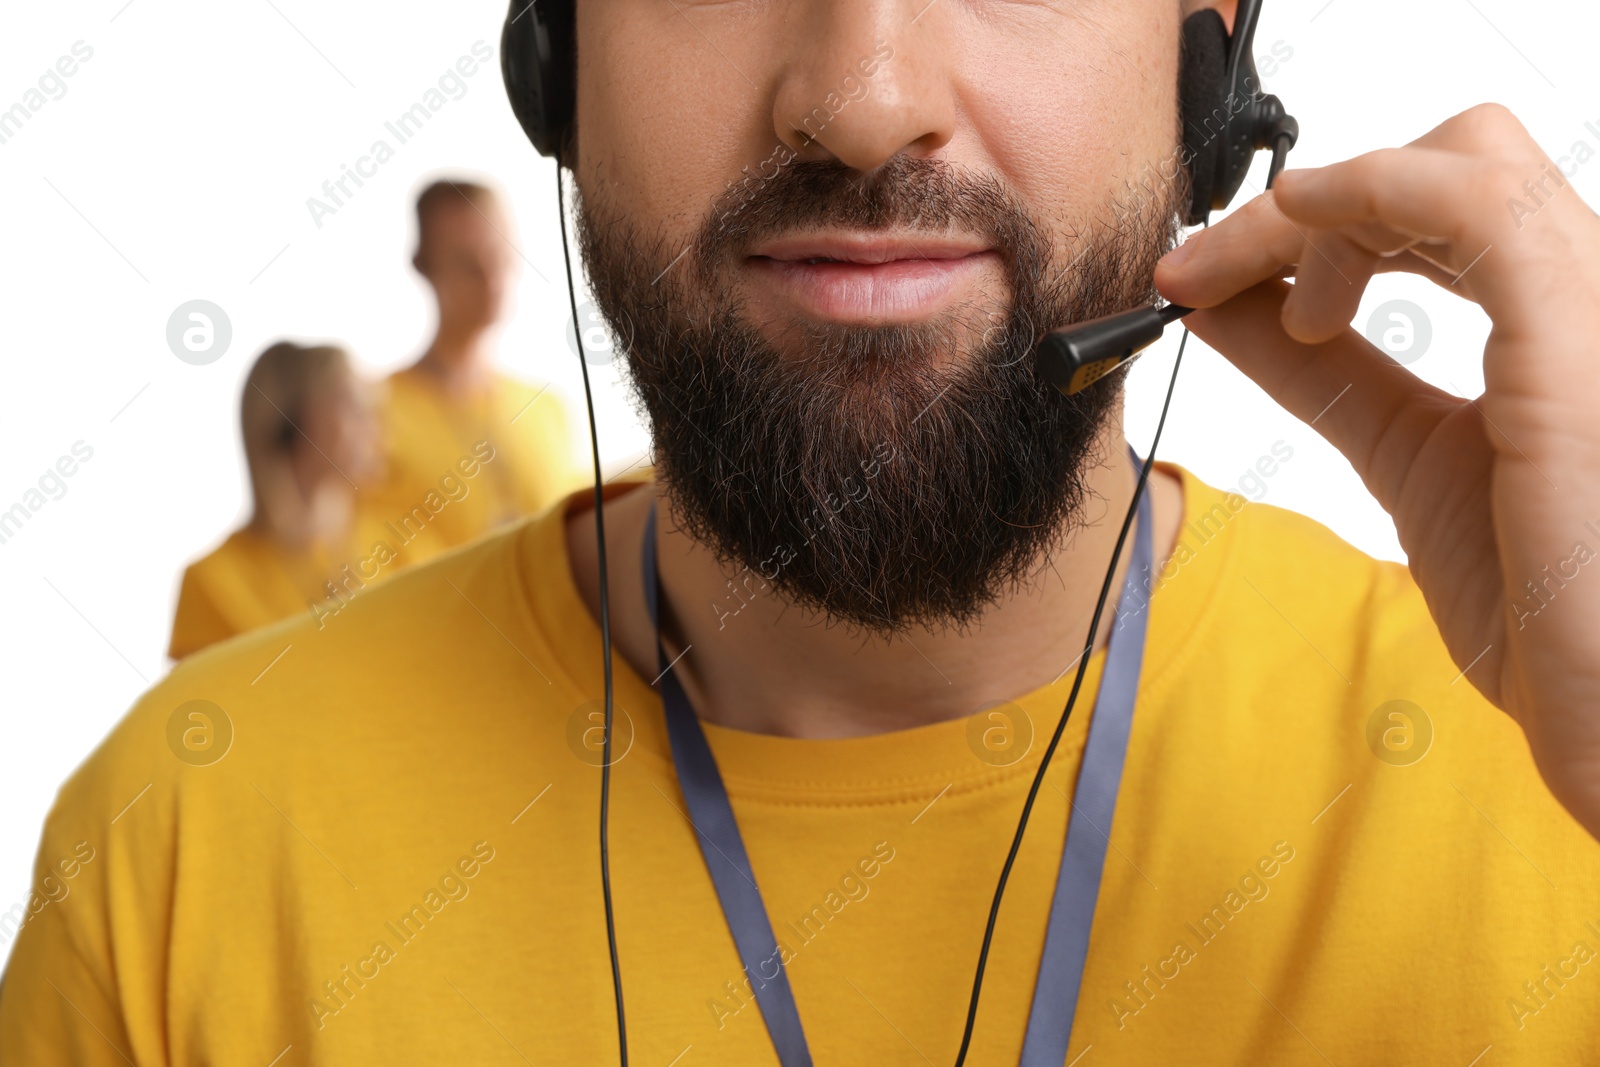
(452, 409)
(311, 441)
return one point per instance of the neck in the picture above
(753, 662)
(313, 514)
(459, 360)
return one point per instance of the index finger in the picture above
(1426, 192)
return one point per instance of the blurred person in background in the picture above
(311, 441)
(451, 411)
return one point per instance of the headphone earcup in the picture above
(1203, 105)
(537, 52)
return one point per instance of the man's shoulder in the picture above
(1320, 669)
(1283, 607)
(1305, 563)
(1256, 549)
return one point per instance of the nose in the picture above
(866, 82)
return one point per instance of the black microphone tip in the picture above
(1075, 357)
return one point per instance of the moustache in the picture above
(906, 194)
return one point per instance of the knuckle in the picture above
(1493, 128)
(1493, 115)
(1375, 163)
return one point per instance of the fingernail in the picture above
(1177, 256)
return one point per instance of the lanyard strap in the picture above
(1094, 802)
(1066, 945)
(722, 846)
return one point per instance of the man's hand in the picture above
(1493, 498)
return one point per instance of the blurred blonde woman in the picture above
(311, 440)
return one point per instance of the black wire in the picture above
(605, 636)
(1281, 145)
(1072, 697)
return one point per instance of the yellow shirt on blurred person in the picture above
(461, 466)
(250, 581)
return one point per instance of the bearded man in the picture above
(1353, 805)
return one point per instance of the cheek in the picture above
(661, 140)
(1070, 123)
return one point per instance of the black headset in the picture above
(1226, 119)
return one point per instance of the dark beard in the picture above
(886, 477)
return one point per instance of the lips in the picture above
(867, 249)
(870, 278)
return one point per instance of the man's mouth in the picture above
(869, 278)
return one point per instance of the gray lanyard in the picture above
(1066, 943)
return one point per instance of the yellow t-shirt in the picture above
(459, 467)
(394, 859)
(250, 581)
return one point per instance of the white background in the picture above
(177, 166)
